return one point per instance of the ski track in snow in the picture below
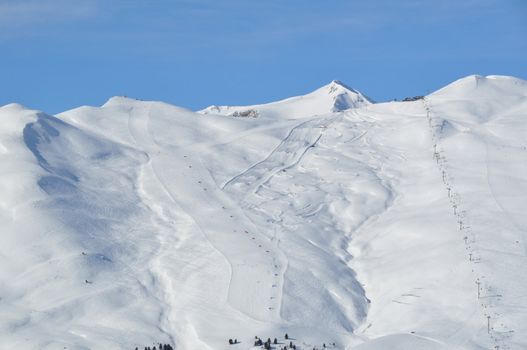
(249, 294)
(138, 129)
(284, 156)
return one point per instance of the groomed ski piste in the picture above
(336, 220)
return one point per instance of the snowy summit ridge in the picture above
(345, 224)
(333, 97)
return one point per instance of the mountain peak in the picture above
(473, 86)
(339, 84)
(333, 97)
(119, 100)
(344, 97)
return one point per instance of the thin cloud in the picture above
(20, 13)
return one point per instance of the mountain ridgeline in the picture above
(344, 223)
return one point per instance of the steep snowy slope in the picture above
(370, 226)
(457, 278)
(334, 97)
(75, 251)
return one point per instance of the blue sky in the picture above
(59, 54)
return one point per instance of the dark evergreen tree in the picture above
(275, 341)
(286, 336)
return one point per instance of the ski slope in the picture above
(336, 220)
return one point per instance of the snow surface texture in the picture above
(371, 226)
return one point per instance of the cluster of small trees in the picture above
(267, 344)
(161, 347)
(258, 341)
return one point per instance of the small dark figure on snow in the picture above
(231, 342)
(275, 341)
(286, 336)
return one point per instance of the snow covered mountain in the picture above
(334, 97)
(341, 222)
